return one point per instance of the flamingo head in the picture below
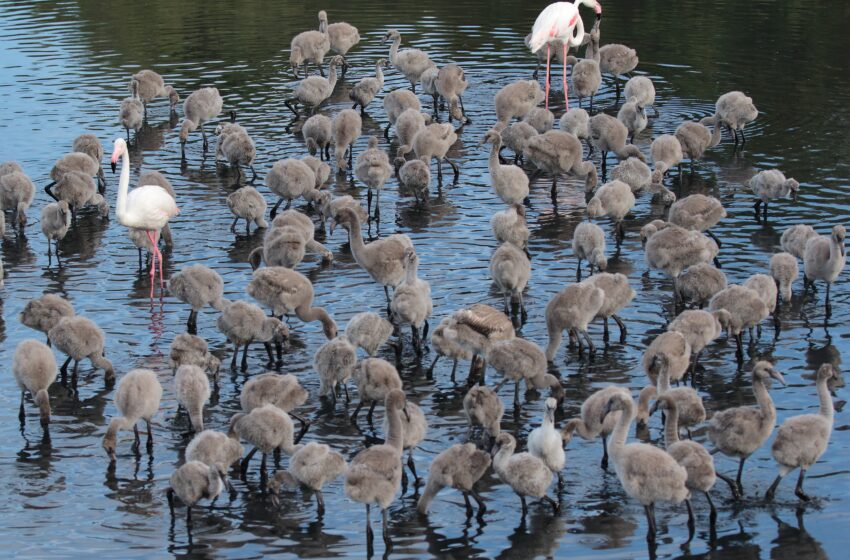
(597, 7)
(118, 151)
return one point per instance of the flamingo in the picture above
(148, 207)
(560, 22)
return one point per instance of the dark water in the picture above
(63, 71)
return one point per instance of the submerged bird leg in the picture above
(235, 355)
(650, 517)
(481, 507)
(370, 537)
(371, 410)
(591, 348)
(622, 326)
(64, 369)
(566, 98)
(738, 478)
(454, 168)
(150, 437)
(521, 497)
(412, 466)
(468, 505)
(386, 529)
(691, 520)
(556, 507)
(604, 463)
(243, 466)
(732, 486)
(245, 356)
(288, 103)
(713, 515)
(431, 368)
(772, 490)
(305, 425)
(356, 412)
(548, 61)
(153, 260)
(799, 489)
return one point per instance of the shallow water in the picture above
(63, 71)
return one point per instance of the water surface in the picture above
(63, 71)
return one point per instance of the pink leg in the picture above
(153, 259)
(159, 256)
(548, 60)
(566, 99)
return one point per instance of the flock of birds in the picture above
(682, 246)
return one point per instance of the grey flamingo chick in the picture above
(459, 467)
(374, 475)
(647, 473)
(282, 390)
(739, 431)
(34, 368)
(802, 440)
(137, 398)
(311, 466)
(199, 286)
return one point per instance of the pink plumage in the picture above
(560, 22)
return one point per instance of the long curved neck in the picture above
(715, 135)
(501, 458)
(309, 314)
(548, 420)
(763, 399)
(646, 394)
(395, 433)
(826, 407)
(621, 430)
(494, 156)
(379, 74)
(394, 49)
(578, 426)
(117, 424)
(332, 76)
(834, 249)
(123, 186)
(411, 272)
(355, 238)
(578, 37)
(431, 490)
(671, 427)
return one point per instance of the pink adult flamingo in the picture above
(148, 207)
(560, 22)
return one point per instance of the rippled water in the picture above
(63, 71)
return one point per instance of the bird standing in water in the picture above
(148, 207)
(560, 22)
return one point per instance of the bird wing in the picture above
(556, 21)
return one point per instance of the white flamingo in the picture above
(560, 22)
(148, 207)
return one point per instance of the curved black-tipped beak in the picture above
(113, 165)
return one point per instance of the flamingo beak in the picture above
(598, 9)
(112, 164)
